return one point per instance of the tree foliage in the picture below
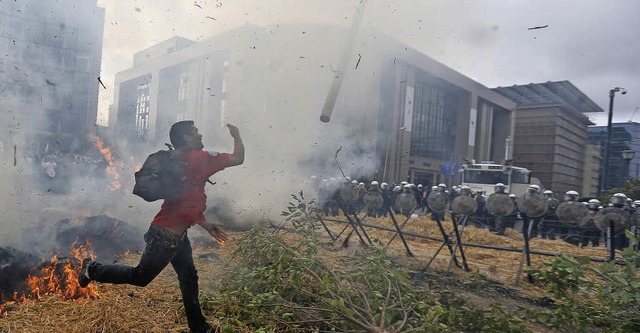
(606, 298)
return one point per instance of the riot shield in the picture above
(464, 205)
(499, 204)
(438, 201)
(532, 204)
(406, 202)
(621, 219)
(349, 193)
(572, 212)
(373, 200)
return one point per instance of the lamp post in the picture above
(607, 146)
(628, 155)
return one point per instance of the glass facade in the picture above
(624, 136)
(430, 128)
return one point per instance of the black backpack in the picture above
(161, 176)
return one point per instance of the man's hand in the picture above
(215, 230)
(234, 131)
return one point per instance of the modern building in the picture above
(399, 113)
(593, 160)
(624, 137)
(551, 135)
(50, 60)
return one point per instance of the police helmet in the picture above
(618, 199)
(571, 196)
(499, 188)
(466, 190)
(593, 204)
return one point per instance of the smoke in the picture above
(288, 52)
(49, 61)
(278, 86)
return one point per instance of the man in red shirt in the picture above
(167, 241)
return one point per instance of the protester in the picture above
(166, 240)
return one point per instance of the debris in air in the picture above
(538, 27)
(102, 84)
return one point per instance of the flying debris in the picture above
(359, 58)
(209, 17)
(336, 83)
(196, 4)
(538, 27)
(102, 84)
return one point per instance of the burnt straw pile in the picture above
(108, 238)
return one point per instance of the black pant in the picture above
(162, 247)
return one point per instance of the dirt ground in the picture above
(157, 307)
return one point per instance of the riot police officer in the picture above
(549, 223)
(590, 232)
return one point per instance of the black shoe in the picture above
(83, 280)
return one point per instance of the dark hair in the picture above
(178, 131)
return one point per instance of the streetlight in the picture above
(607, 146)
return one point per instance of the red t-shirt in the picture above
(188, 210)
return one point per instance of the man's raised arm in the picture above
(237, 157)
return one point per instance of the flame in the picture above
(58, 276)
(112, 166)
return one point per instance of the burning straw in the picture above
(57, 277)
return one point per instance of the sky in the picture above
(592, 43)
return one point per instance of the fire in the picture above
(58, 276)
(111, 163)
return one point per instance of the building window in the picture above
(69, 38)
(183, 91)
(69, 60)
(223, 112)
(429, 126)
(142, 111)
(82, 64)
